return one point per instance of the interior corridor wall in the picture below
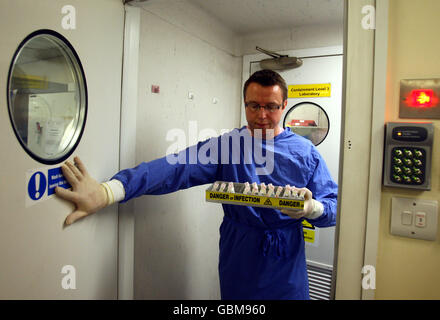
(182, 50)
(408, 268)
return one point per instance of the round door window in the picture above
(47, 96)
(309, 120)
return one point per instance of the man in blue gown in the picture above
(262, 253)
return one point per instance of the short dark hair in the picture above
(266, 78)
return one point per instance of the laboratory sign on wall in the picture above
(309, 90)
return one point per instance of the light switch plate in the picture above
(400, 206)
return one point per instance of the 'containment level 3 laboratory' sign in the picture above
(309, 90)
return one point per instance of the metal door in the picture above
(80, 40)
(322, 67)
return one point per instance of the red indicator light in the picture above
(422, 98)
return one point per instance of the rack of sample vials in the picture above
(255, 195)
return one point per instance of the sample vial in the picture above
(247, 188)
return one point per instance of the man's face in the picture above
(262, 118)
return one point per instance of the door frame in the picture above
(365, 67)
(127, 153)
(304, 54)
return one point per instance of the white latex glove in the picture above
(312, 208)
(87, 194)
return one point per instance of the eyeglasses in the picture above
(256, 107)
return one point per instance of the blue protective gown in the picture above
(262, 254)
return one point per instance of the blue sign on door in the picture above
(55, 179)
(42, 184)
(37, 185)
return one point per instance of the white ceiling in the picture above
(249, 16)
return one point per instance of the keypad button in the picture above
(408, 165)
(408, 153)
(416, 179)
(418, 153)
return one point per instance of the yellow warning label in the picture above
(309, 235)
(268, 202)
(251, 200)
(307, 225)
(309, 90)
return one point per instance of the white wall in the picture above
(176, 236)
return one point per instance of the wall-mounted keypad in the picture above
(408, 165)
(408, 155)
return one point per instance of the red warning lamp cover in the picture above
(422, 98)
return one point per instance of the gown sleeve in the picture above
(196, 165)
(325, 190)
